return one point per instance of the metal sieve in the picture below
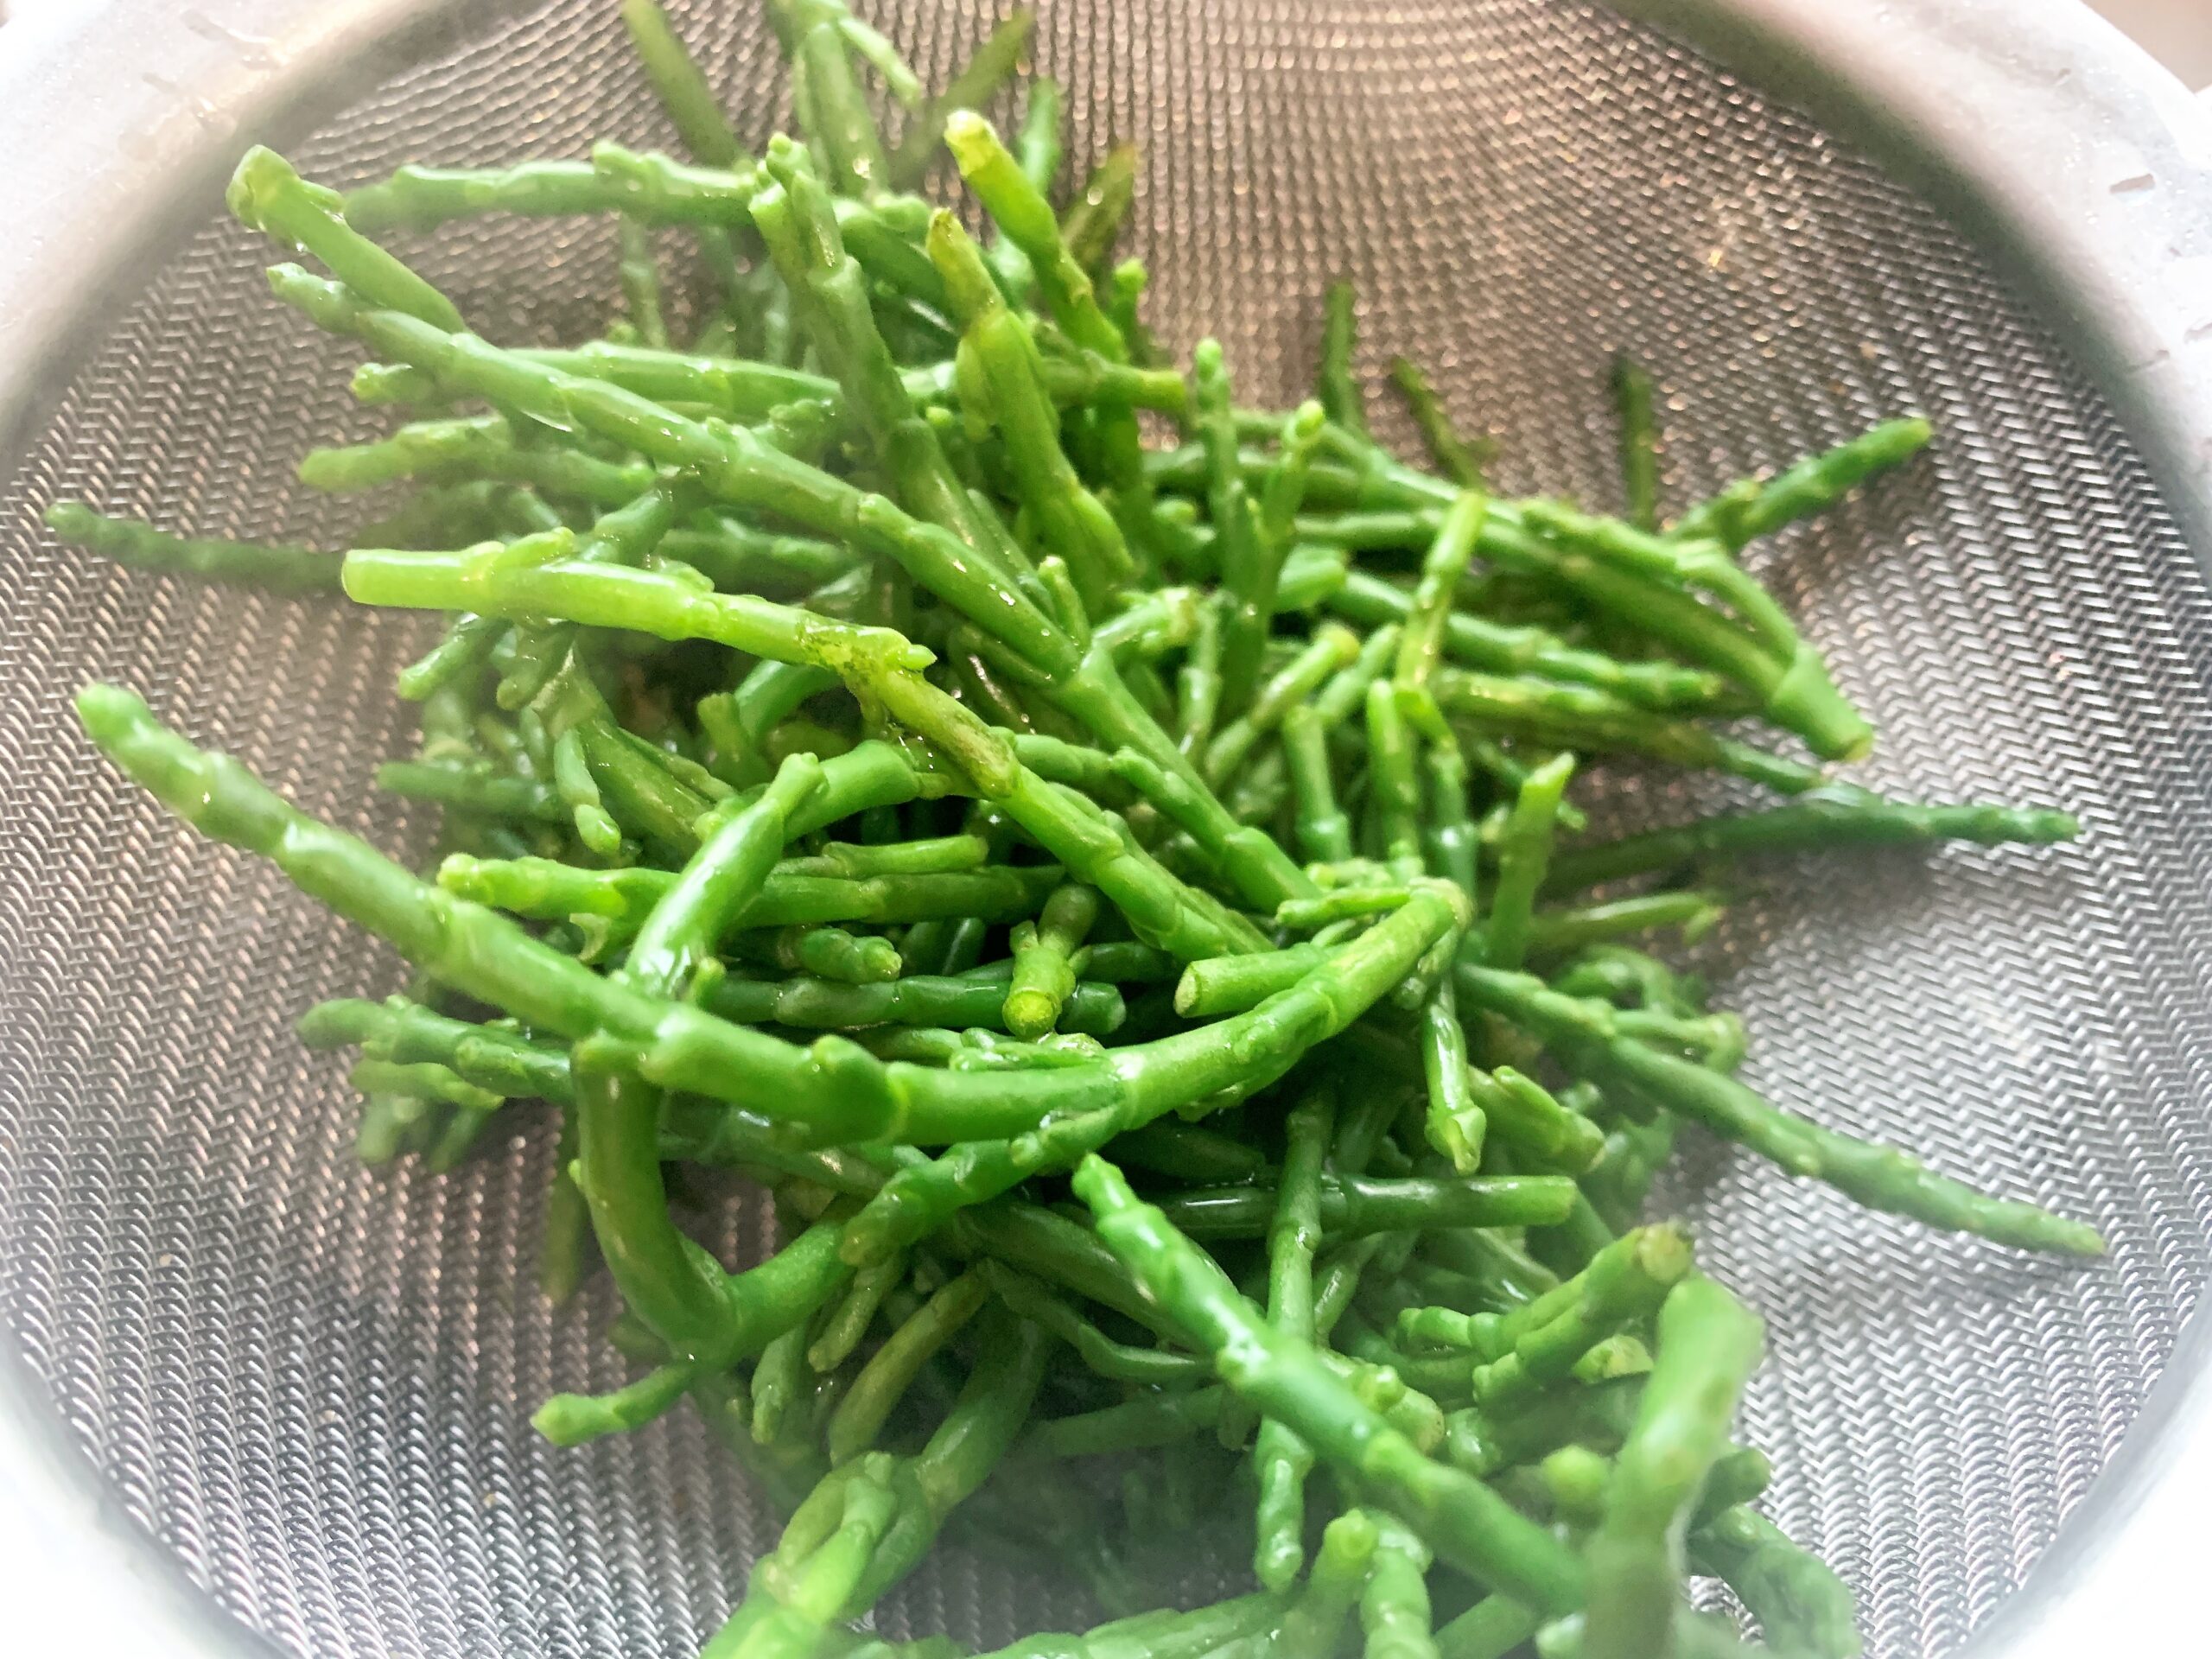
(257, 1398)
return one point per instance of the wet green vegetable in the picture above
(1128, 900)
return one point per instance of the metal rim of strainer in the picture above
(2043, 132)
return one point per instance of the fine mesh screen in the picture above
(311, 1383)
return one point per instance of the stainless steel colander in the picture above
(256, 1393)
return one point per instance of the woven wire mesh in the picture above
(311, 1383)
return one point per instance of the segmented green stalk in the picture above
(1742, 513)
(610, 904)
(1329, 650)
(1044, 972)
(1632, 579)
(918, 999)
(1023, 216)
(497, 1060)
(977, 81)
(472, 447)
(1421, 643)
(1639, 440)
(653, 1265)
(1492, 1628)
(1198, 685)
(1793, 686)
(268, 195)
(1524, 853)
(1455, 1123)
(1695, 912)
(1335, 382)
(1393, 1610)
(640, 278)
(653, 187)
(127, 541)
(823, 952)
(1124, 1362)
(1542, 1134)
(1835, 815)
(1586, 1034)
(1202, 1063)
(423, 1082)
(891, 1369)
(1542, 1341)
(1393, 782)
(1358, 1206)
(1190, 1151)
(833, 1337)
(1583, 718)
(827, 101)
(1464, 1521)
(974, 1436)
(1247, 558)
(798, 1592)
(1449, 835)
(1501, 648)
(1037, 148)
(1455, 457)
(681, 86)
(1280, 1457)
(794, 216)
(1002, 390)
(1800, 1603)
(1093, 221)
(752, 391)
(1708, 1345)
(1323, 831)
(474, 789)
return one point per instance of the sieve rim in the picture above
(127, 116)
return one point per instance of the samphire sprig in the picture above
(1127, 901)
